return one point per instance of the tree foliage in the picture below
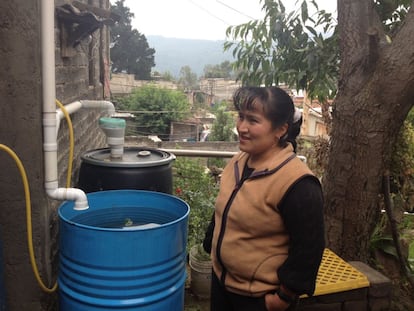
(298, 48)
(223, 70)
(223, 125)
(294, 48)
(392, 13)
(402, 166)
(187, 79)
(154, 109)
(130, 51)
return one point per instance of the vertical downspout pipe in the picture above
(49, 111)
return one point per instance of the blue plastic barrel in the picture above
(126, 252)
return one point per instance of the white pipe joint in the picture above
(90, 104)
(99, 104)
(72, 194)
(70, 108)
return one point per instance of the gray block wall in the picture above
(21, 130)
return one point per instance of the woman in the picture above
(266, 237)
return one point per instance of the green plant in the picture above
(200, 253)
(194, 184)
(402, 167)
(223, 125)
(385, 244)
(154, 109)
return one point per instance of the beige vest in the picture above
(254, 242)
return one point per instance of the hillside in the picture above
(172, 53)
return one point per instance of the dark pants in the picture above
(223, 300)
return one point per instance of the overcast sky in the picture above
(198, 19)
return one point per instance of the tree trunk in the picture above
(375, 93)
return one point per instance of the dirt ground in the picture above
(192, 303)
(402, 299)
(402, 295)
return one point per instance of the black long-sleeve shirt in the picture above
(302, 213)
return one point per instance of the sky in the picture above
(198, 19)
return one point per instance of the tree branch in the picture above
(394, 229)
(360, 34)
(398, 63)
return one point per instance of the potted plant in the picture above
(200, 269)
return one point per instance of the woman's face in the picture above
(256, 135)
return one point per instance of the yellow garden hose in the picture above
(71, 143)
(28, 219)
(28, 202)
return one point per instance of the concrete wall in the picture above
(219, 89)
(77, 77)
(123, 83)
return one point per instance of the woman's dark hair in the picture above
(278, 107)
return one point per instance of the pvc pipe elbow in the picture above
(81, 203)
(99, 104)
(71, 194)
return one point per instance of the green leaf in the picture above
(312, 31)
(304, 10)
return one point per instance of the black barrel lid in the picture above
(132, 157)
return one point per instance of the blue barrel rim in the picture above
(70, 204)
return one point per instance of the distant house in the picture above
(219, 88)
(185, 131)
(193, 129)
(313, 123)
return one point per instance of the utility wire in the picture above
(235, 10)
(208, 12)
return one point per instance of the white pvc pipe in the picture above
(99, 104)
(209, 153)
(201, 153)
(49, 111)
(89, 104)
(70, 108)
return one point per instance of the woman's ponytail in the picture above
(294, 128)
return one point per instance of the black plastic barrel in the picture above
(139, 169)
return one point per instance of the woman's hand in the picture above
(274, 303)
